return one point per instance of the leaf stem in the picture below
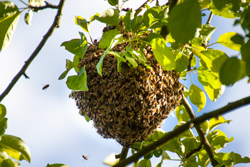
(55, 25)
(194, 122)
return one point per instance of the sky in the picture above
(48, 120)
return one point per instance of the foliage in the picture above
(186, 49)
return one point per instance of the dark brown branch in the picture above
(55, 24)
(123, 153)
(209, 18)
(194, 122)
(137, 11)
(199, 130)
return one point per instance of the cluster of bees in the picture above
(127, 105)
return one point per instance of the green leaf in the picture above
(232, 70)
(183, 28)
(174, 146)
(113, 2)
(76, 46)
(245, 51)
(189, 144)
(109, 16)
(3, 125)
(82, 22)
(197, 97)
(214, 59)
(214, 94)
(214, 122)
(78, 82)
(157, 153)
(8, 163)
(205, 127)
(13, 146)
(118, 38)
(231, 40)
(3, 111)
(107, 38)
(181, 62)
(56, 165)
(69, 66)
(181, 114)
(136, 23)
(218, 139)
(206, 32)
(7, 27)
(131, 60)
(144, 163)
(7, 8)
(208, 78)
(238, 159)
(203, 158)
(127, 19)
(165, 156)
(28, 17)
(163, 54)
(37, 3)
(227, 11)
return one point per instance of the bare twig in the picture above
(194, 122)
(199, 130)
(137, 11)
(209, 18)
(55, 24)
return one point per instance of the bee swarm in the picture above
(127, 105)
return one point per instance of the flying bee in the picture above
(85, 157)
(45, 87)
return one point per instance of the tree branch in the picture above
(123, 153)
(201, 133)
(209, 18)
(194, 122)
(47, 5)
(55, 25)
(137, 11)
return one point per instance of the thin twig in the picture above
(194, 122)
(201, 133)
(123, 153)
(209, 18)
(55, 24)
(137, 11)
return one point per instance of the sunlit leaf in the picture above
(214, 59)
(8, 163)
(238, 159)
(205, 127)
(15, 147)
(206, 32)
(197, 97)
(136, 23)
(127, 19)
(7, 27)
(163, 54)
(37, 3)
(214, 122)
(181, 62)
(3, 125)
(181, 114)
(7, 9)
(3, 111)
(203, 158)
(183, 28)
(82, 22)
(107, 38)
(144, 163)
(28, 17)
(76, 46)
(226, 11)
(131, 60)
(111, 160)
(78, 82)
(232, 71)
(231, 40)
(118, 38)
(214, 94)
(218, 139)
(56, 165)
(109, 16)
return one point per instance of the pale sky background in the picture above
(48, 121)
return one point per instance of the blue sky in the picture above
(48, 121)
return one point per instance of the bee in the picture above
(85, 157)
(45, 87)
